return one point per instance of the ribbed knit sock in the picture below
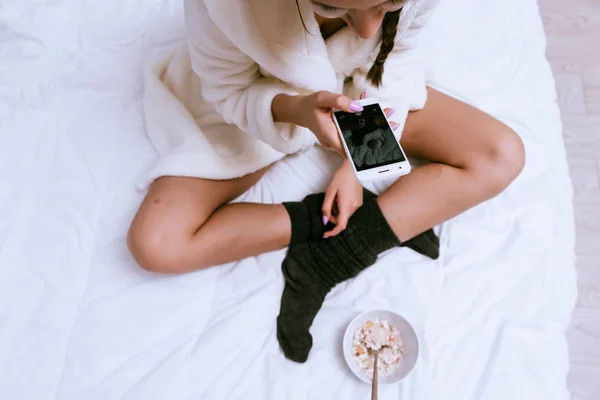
(311, 270)
(307, 218)
(427, 244)
(307, 225)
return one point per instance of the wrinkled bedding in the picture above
(79, 320)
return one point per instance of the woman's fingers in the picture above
(394, 125)
(331, 144)
(325, 99)
(364, 95)
(340, 224)
(334, 142)
(327, 208)
(389, 112)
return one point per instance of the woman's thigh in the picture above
(452, 132)
(188, 202)
(176, 207)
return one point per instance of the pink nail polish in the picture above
(325, 220)
(354, 106)
(392, 111)
(366, 94)
(394, 127)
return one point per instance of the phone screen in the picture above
(370, 140)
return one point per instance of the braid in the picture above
(389, 28)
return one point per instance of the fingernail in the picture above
(366, 94)
(354, 106)
(325, 220)
(391, 112)
(394, 127)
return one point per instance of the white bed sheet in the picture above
(79, 320)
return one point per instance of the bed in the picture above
(79, 320)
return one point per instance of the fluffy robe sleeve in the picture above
(404, 80)
(233, 83)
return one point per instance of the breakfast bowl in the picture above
(388, 332)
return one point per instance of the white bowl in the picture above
(409, 337)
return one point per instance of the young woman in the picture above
(257, 81)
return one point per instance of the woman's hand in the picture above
(343, 197)
(314, 113)
(387, 111)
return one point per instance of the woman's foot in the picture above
(427, 244)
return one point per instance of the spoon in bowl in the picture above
(375, 378)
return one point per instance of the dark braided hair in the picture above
(389, 28)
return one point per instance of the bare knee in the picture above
(163, 249)
(501, 163)
(154, 251)
(165, 234)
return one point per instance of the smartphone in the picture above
(370, 143)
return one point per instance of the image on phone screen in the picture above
(369, 139)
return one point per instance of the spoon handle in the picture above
(375, 373)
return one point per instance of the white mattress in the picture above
(79, 320)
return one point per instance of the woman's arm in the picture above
(283, 106)
(232, 82)
(343, 197)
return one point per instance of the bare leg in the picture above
(475, 157)
(183, 225)
(186, 224)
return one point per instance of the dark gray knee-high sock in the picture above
(427, 244)
(307, 225)
(307, 219)
(313, 269)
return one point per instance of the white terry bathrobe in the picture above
(208, 104)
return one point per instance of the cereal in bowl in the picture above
(373, 336)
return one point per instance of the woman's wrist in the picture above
(347, 166)
(285, 108)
